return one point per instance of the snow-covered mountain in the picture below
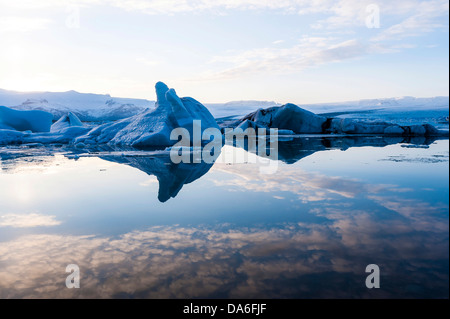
(87, 106)
(237, 107)
(103, 107)
(401, 110)
(406, 103)
(384, 105)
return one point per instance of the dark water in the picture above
(139, 226)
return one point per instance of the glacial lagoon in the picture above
(139, 226)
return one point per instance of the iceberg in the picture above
(10, 136)
(292, 117)
(65, 136)
(68, 120)
(152, 128)
(34, 121)
(172, 117)
(287, 117)
(64, 131)
(348, 126)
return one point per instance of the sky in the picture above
(298, 51)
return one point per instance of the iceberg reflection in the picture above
(291, 149)
(171, 177)
(316, 243)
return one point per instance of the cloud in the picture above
(185, 6)
(424, 20)
(416, 18)
(27, 220)
(22, 24)
(399, 19)
(149, 182)
(310, 52)
(341, 12)
(148, 62)
(421, 215)
(307, 186)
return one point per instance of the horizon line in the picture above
(231, 101)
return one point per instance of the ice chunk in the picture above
(248, 124)
(348, 126)
(5, 127)
(35, 121)
(342, 126)
(288, 117)
(417, 130)
(394, 130)
(65, 136)
(68, 120)
(152, 128)
(300, 121)
(8, 136)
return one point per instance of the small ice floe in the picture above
(34, 121)
(68, 120)
(414, 146)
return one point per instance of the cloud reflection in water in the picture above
(362, 223)
(292, 260)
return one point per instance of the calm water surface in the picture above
(139, 226)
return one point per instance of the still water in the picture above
(139, 226)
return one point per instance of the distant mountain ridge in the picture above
(407, 102)
(87, 106)
(103, 107)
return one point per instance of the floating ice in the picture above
(300, 121)
(68, 120)
(35, 121)
(65, 136)
(287, 117)
(152, 128)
